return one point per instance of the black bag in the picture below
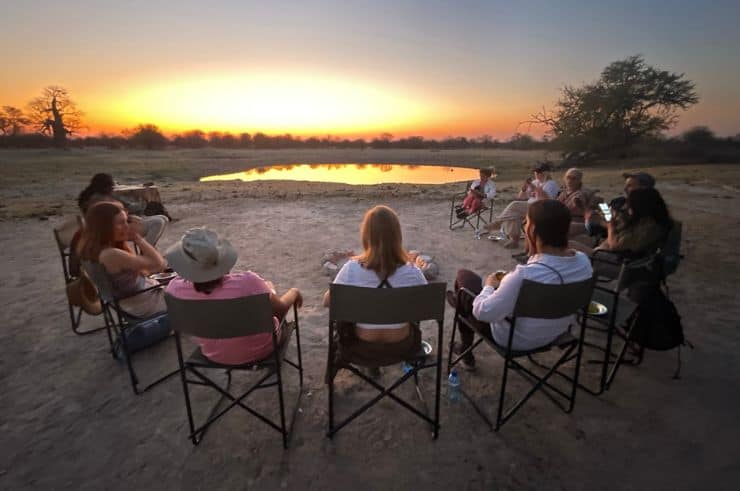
(658, 325)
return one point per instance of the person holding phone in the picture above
(640, 227)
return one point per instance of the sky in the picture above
(356, 68)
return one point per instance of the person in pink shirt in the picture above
(203, 263)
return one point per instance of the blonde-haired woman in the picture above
(383, 263)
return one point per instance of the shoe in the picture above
(462, 214)
(468, 363)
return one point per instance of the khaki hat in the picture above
(81, 292)
(201, 256)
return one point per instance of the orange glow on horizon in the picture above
(296, 103)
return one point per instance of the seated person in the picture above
(383, 263)
(572, 195)
(203, 263)
(480, 189)
(101, 189)
(542, 187)
(552, 262)
(594, 222)
(105, 240)
(639, 227)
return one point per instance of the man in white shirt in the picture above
(542, 187)
(546, 229)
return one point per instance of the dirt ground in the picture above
(69, 419)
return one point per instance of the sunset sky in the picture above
(355, 68)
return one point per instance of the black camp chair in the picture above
(351, 305)
(536, 300)
(121, 326)
(484, 215)
(221, 319)
(637, 279)
(63, 235)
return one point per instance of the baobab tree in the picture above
(54, 113)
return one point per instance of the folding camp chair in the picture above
(637, 278)
(352, 304)
(120, 325)
(63, 235)
(221, 319)
(485, 214)
(540, 301)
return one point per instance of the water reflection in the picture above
(353, 174)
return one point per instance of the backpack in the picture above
(658, 324)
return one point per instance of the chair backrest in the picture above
(219, 319)
(387, 305)
(101, 279)
(670, 253)
(64, 232)
(552, 301)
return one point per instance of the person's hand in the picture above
(133, 234)
(492, 280)
(298, 297)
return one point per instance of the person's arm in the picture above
(282, 304)
(150, 260)
(495, 304)
(490, 191)
(342, 278)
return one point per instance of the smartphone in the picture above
(606, 211)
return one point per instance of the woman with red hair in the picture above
(105, 240)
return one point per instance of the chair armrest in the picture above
(465, 291)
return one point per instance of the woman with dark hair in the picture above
(100, 190)
(552, 262)
(641, 228)
(105, 240)
(383, 263)
(204, 263)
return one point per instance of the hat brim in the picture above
(196, 272)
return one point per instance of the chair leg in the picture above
(183, 378)
(452, 344)
(437, 387)
(330, 433)
(283, 429)
(577, 370)
(77, 319)
(503, 394)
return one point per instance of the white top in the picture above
(495, 305)
(489, 189)
(550, 187)
(352, 273)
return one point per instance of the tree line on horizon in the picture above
(623, 113)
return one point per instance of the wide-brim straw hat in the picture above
(82, 292)
(201, 256)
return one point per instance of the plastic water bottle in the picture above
(453, 386)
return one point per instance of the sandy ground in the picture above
(68, 418)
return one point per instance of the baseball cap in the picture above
(645, 179)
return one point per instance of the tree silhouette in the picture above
(146, 136)
(12, 121)
(630, 100)
(54, 113)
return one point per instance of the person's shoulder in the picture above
(410, 274)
